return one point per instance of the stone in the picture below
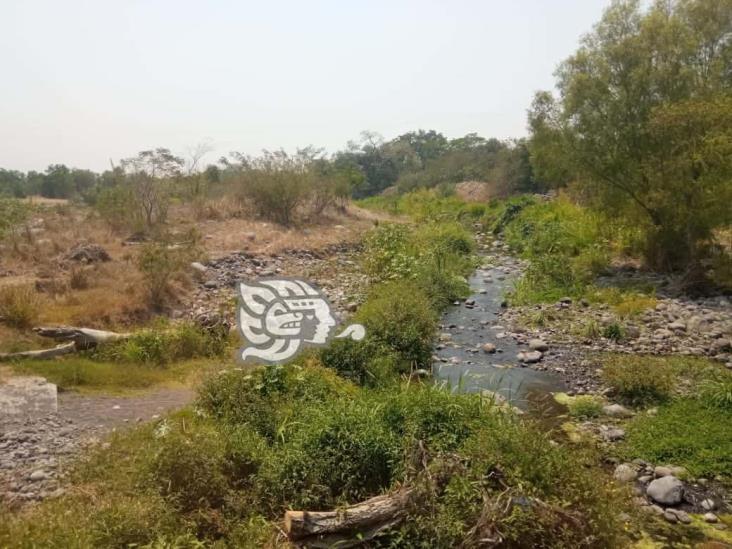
(661, 471)
(489, 348)
(677, 325)
(88, 253)
(251, 237)
(613, 435)
(529, 357)
(720, 345)
(667, 490)
(210, 283)
(681, 516)
(625, 473)
(566, 300)
(670, 517)
(708, 504)
(198, 267)
(616, 410)
(538, 345)
(710, 518)
(38, 475)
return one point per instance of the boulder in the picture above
(667, 490)
(538, 345)
(529, 357)
(88, 253)
(489, 348)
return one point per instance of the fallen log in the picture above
(349, 526)
(79, 339)
(41, 353)
(83, 338)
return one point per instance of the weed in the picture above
(20, 306)
(638, 379)
(585, 407)
(613, 332)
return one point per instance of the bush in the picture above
(684, 432)
(188, 465)
(717, 394)
(638, 379)
(585, 406)
(163, 262)
(363, 362)
(20, 306)
(398, 316)
(165, 344)
(501, 213)
(13, 212)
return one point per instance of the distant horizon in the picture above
(89, 83)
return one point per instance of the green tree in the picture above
(57, 182)
(641, 88)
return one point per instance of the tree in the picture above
(57, 182)
(12, 183)
(619, 115)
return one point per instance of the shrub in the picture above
(13, 212)
(717, 394)
(119, 207)
(20, 306)
(585, 406)
(398, 316)
(685, 432)
(639, 379)
(614, 332)
(364, 362)
(188, 465)
(501, 213)
(163, 262)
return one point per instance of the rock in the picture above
(720, 345)
(88, 253)
(198, 267)
(710, 518)
(625, 473)
(38, 475)
(210, 284)
(708, 504)
(677, 325)
(616, 410)
(538, 345)
(667, 490)
(681, 516)
(669, 516)
(351, 307)
(566, 300)
(661, 471)
(489, 348)
(613, 435)
(529, 357)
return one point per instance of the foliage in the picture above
(614, 332)
(166, 344)
(13, 213)
(565, 245)
(20, 306)
(659, 160)
(639, 379)
(717, 393)
(161, 262)
(585, 406)
(398, 316)
(685, 432)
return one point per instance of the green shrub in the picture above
(614, 332)
(364, 362)
(585, 407)
(499, 214)
(188, 465)
(20, 306)
(638, 379)
(398, 316)
(163, 262)
(717, 394)
(685, 432)
(13, 213)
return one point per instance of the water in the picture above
(501, 371)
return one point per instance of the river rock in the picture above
(625, 472)
(616, 410)
(661, 471)
(711, 518)
(708, 504)
(682, 516)
(538, 345)
(529, 357)
(489, 348)
(667, 490)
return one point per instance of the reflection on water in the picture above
(468, 368)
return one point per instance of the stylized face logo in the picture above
(279, 316)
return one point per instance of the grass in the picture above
(298, 436)
(639, 379)
(20, 306)
(684, 432)
(87, 375)
(585, 407)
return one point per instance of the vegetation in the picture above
(299, 436)
(639, 379)
(658, 160)
(20, 306)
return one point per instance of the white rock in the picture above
(666, 490)
(625, 473)
(538, 345)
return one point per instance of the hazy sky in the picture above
(86, 81)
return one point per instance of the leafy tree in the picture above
(638, 97)
(57, 182)
(12, 183)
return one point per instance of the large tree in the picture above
(641, 121)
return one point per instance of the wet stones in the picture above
(538, 345)
(529, 357)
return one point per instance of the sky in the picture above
(85, 83)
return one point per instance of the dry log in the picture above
(79, 339)
(83, 338)
(349, 526)
(41, 353)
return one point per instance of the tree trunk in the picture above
(350, 526)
